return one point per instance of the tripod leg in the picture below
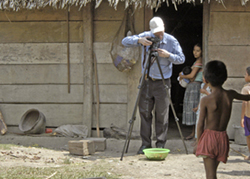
(127, 139)
(171, 104)
(126, 145)
(177, 122)
(130, 132)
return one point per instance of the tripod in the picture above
(151, 54)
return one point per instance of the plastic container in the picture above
(32, 122)
(156, 153)
(48, 130)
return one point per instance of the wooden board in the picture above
(112, 113)
(108, 74)
(50, 53)
(102, 52)
(234, 83)
(59, 94)
(40, 74)
(100, 143)
(40, 32)
(40, 53)
(57, 74)
(81, 147)
(230, 6)
(228, 28)
(105, 31)
(62, 114)
(235, 57)
(54, 32)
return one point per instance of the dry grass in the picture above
(68, 168)
(68, 171)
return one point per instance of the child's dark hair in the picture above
(186, 70)
(215, 73)
(248, 70)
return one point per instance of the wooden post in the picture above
(148, 15)
(88, 65)
(206, 17)
(141, 23)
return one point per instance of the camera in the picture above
(154, 46)
(154, 39)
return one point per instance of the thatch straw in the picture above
(16, 5)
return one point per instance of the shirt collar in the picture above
(164, 40)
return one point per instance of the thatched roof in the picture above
(62, 4)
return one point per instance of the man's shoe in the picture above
(140, 151)
(160, 146)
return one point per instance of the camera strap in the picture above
(145, 54)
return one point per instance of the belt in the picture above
(153, 79)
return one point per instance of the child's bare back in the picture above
(218, 107)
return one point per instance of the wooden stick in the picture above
(3, 126)
(68, 60)
(51, 175)
(97, 97)
(243, 155)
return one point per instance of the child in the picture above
(204, 91)
(215, 111)
(185, 71)
(245, 113)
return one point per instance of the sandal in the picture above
(247, 158)
(189, 137)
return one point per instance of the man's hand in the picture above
(144, 41)
(163, 53)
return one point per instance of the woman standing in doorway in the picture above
(192, 93)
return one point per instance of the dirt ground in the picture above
(177, 165)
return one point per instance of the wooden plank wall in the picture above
(229, 40)
(33, 66)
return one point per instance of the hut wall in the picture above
(229, 41)
(33, 66)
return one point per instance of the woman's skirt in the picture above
(191, 100)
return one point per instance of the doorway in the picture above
(185, 24)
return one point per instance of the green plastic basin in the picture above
(156, 153)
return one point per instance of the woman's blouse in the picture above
(198, 76)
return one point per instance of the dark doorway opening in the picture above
(185, 24)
